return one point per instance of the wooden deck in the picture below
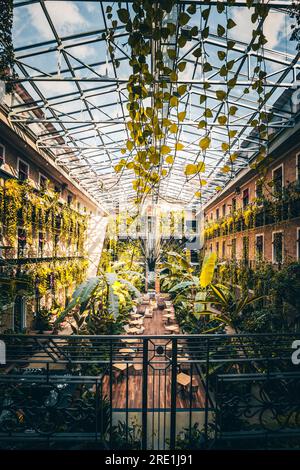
(127, 389)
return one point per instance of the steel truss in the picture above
(91, 115)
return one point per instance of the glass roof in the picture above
(78, 92)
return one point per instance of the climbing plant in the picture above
(155, 93)
(6, 45)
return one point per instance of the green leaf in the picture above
(207, 67)
(181, 66)
(171, 53)
(205, 13)
(221, 55)
(221, 95)
(220, 30)
(230, 23)
(183, 18)
(123, 15)
(197, 52)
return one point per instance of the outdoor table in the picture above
(168, 317)
(185, 381)
(126, 351)
(121, 366)
(172, 328)
(133, 330)
(136, 322)
(170, 346)
(136, 315)
(129, 340)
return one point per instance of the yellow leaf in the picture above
(225, 146)
(191, 169)
(123, 151)
(129, 145)
(226, 169)
(198, 194)
(173, 101)
(207, 270)
(164, 172)
(179, 146)
(201, 167)
(205, 143)
(173, 128)
(182, 89)
(165, 150)
(181, 116)
(222, 120)
(170, 160)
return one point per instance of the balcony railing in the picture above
(267, 214)
(151, 392)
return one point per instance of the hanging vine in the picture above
(6, 44)
(159, 31)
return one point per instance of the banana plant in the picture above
(85, 294)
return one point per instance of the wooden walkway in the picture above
(127, 389)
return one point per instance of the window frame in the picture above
(273, 253)
(273, 171)
(297, 166)
(18, 168)
(263, 245)
(4, 155)
(41, 175)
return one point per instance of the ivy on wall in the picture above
(36, 211)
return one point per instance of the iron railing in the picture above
(151, 392)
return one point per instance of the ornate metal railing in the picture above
(149, 392)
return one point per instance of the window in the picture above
(224, 210)
(259, 189)
(278, 180)
(21, 243)
(211, 248)
(245, 249)
(298, 167)
(43, 183)
(298, 244)
(217, 214)
(259, 247)
(40, 244)
(70, 199)
(277, 244)
(57, 189)
(245, 198)
(233, 204)
(211, 216)
(23, 170)
(217, 249)
(78, 206)
(2, 154)
(194, 256)
(223, 249)
(233, 248)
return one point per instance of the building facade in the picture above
(51, 230)
(256, 218)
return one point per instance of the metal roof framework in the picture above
(91, 116)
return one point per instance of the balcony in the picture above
(85, 392)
